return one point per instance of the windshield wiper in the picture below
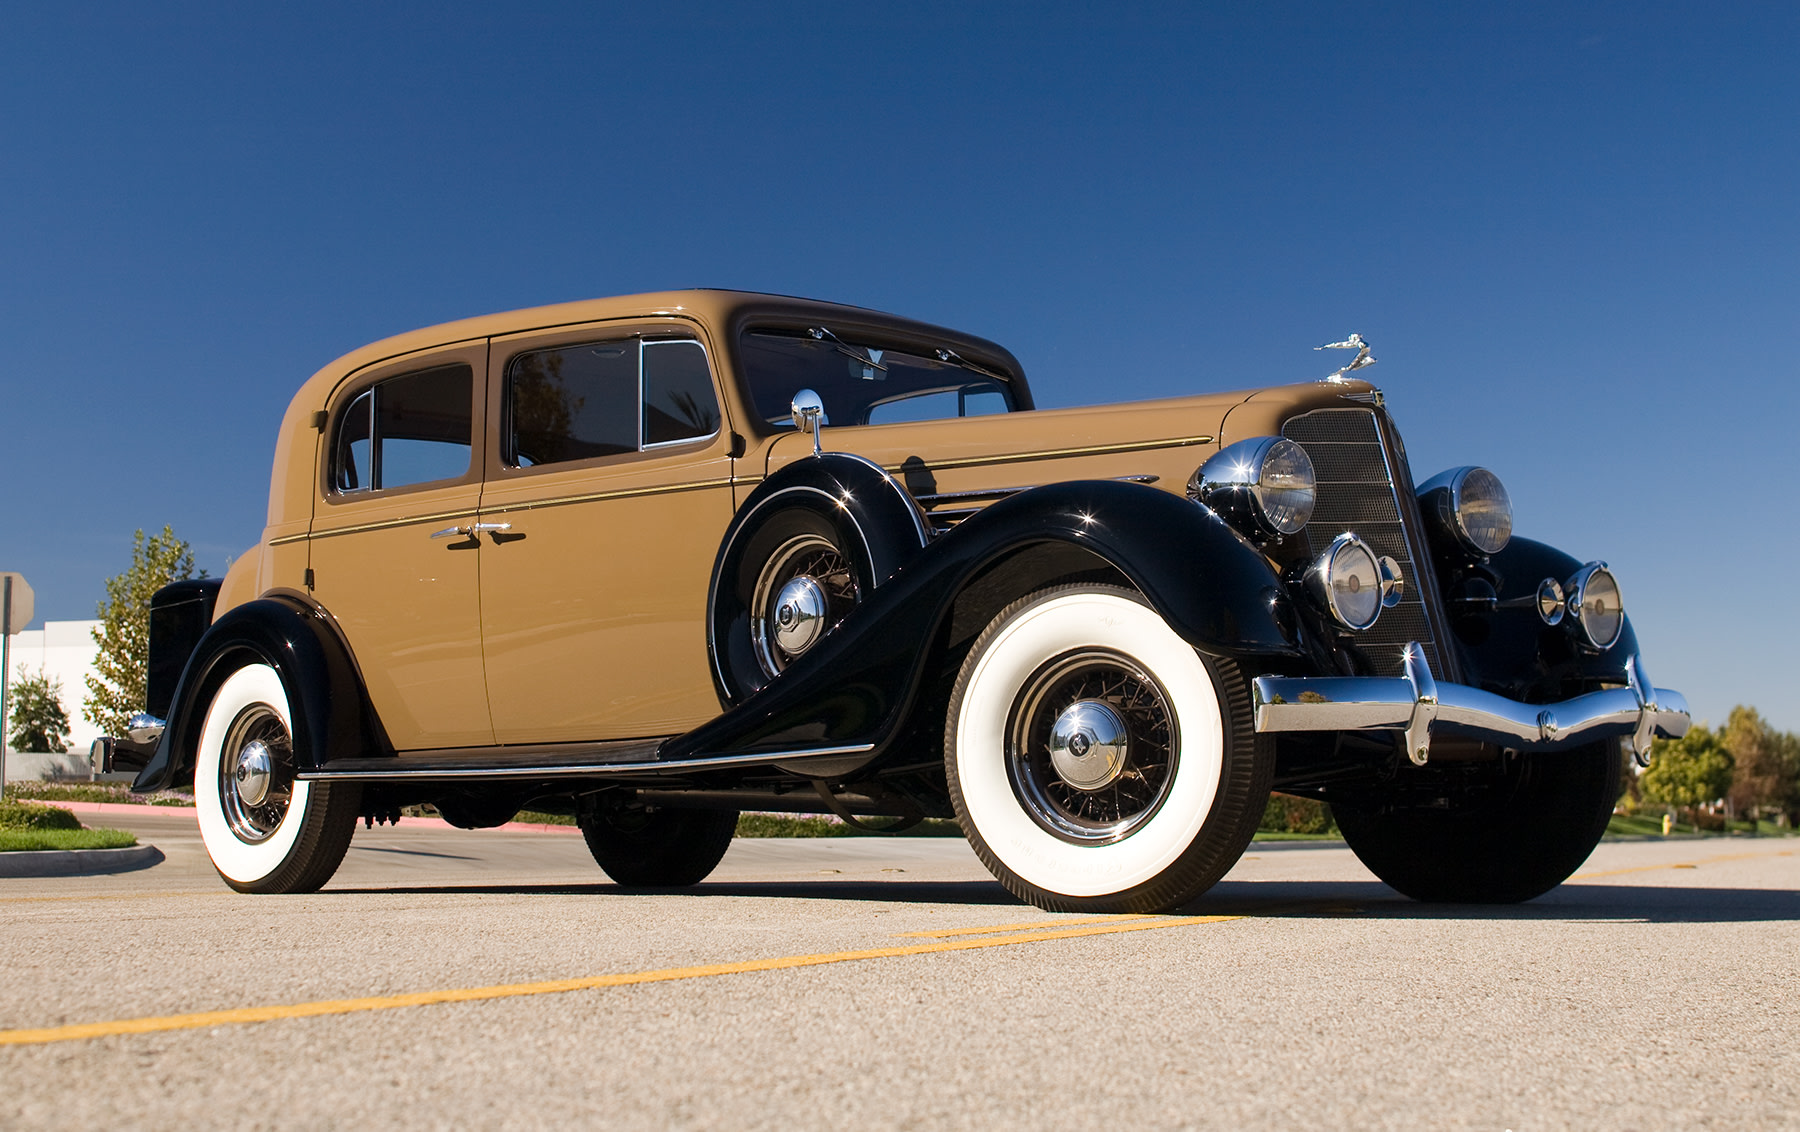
(956, 359)
(866, 357)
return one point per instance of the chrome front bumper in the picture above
(1417, 704)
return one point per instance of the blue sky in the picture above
(1569, 231)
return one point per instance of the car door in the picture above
(391, 555)
(611, 477)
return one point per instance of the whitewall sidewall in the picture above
(239, 860)
(1058, 625)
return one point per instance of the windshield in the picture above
(862, 384)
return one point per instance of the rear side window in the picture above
(605, 399)
(412, 429)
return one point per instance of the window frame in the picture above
(345, 397)
(645, 337)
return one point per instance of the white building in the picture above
(65, 651)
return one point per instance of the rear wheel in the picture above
(1506, 843)
(657, 846)
(1096, 761)
(265, 830)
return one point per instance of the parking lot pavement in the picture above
(450, 978)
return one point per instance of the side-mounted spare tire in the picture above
(811, 542)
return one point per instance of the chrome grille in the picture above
(1357, 493)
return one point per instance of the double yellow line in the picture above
(954, 939)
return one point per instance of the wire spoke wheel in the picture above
(807, 586)
(256, 774)
(1102, 802)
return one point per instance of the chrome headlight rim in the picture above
(1321, 581)
(1449, 498)
(1580, 588)
(1234, 483)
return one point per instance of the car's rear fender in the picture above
(331, 717)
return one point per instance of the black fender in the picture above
(855, 688)
(293, 635)
(875, 519)
(1511, 652)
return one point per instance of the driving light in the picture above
(1471, 506)
(1596, 605)
(1347, 582)
(1265, 487)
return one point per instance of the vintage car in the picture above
(655, 560)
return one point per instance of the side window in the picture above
(679, 403)
(605, 399)
(411, 429)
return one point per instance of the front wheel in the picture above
(1505, 842)
(265, 830)
(1097, 762)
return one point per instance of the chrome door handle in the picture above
(470, 529)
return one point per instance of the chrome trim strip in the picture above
(1416, 705)
(383, 525)
(931, 500)
(1056, 453)
(599, 496)
(564, 770)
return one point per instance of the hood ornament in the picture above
(1363, 358)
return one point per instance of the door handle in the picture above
(469, 529)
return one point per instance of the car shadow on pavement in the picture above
(886, 891)
(1574, 902)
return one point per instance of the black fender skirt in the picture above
(301, 642)
(855, 688)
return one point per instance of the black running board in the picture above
(631, 758)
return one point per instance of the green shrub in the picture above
(25, 815)
(94, 792)
(1287, 814)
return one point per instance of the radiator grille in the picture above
(1358, 494)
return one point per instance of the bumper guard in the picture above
(1416, 704)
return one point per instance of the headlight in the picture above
(1346, 581)
(1596, 606)
(1471, 506)
(1265, 487)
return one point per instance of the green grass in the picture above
(93, 792)
(1331, 834)
(22, 840)
(815, 825)
(1650, 825)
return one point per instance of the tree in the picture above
(117, 690)
(1767, 764)
(39, 721)
(1688, 772)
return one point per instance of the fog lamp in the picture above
(1346, 581)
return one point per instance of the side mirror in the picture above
(809, 415)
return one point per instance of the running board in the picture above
(634, 758)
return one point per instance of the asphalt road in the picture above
(872, 983)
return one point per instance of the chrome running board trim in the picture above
(389, 769)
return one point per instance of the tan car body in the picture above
(587, 622)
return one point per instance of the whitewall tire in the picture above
(1097, 762)
(264, 830)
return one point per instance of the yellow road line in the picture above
(1679, 864)
(1063, 923)
(83, 1031)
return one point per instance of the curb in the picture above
(128, 808)
(78, 862)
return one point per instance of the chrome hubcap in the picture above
(256, 783)
(805, 588)
(255, 769)
(1088, 745)
(799, 614)
(1092, 746)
